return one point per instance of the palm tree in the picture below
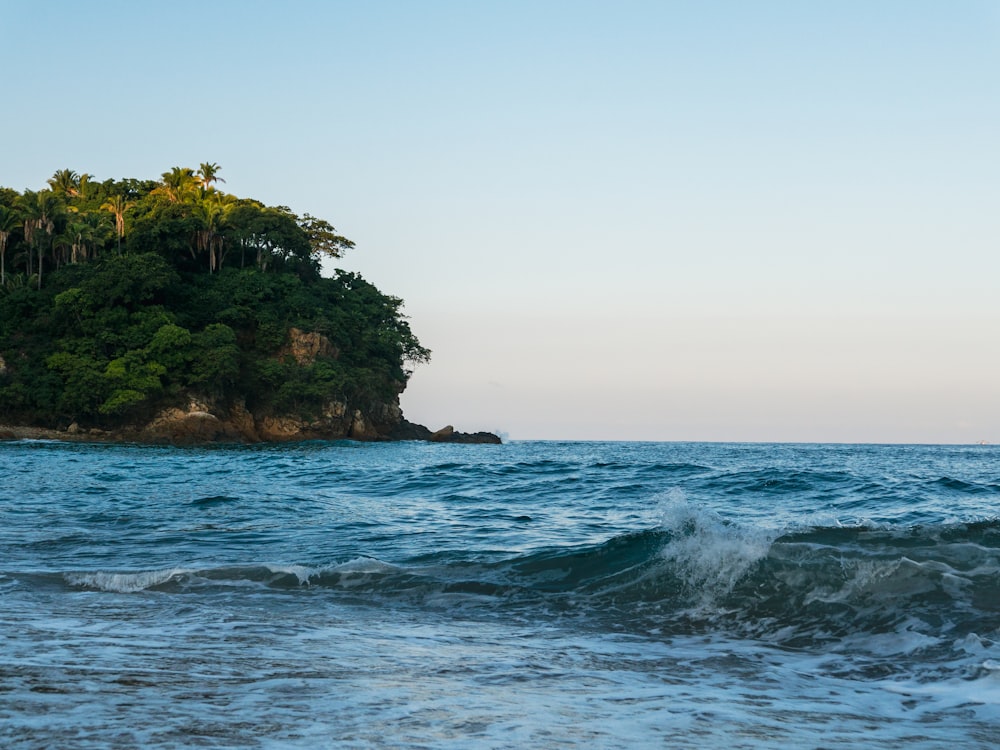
(117, 205)
(81, 234)
(9, 221)
(178, 184)
(208, 173)
(61, 246)
(65, 182)
(39, 211)
(210, 238)
(85, 185)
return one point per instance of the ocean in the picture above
(534, 594)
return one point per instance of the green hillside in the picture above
(121, 298)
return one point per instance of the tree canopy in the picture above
(121, 297)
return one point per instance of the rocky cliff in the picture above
(201, 422)
(204, 421)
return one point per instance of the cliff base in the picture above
(202, 423)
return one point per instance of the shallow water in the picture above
(535, 593)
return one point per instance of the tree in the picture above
(323, 238)
(82, 235)
(116, 205)
(128, 281)
(133, 379)
(62, 244)
(208, 173)
(272, 234)
(86, 186)
(215, 358)
(178, 185)
(65, 182)
(40, 211)
(9, 221)
(209, 237)
(85, 386)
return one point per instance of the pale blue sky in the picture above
(629, 220)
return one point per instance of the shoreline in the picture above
(406, 431)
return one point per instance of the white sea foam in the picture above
(951, 694)
(301, 572)
(131, 582)
(709, 555)
(905, 639)
(123, 583)
(974, 644)
(363, 565)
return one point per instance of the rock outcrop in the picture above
(304, 347)
(410, 431)
(201, 421)
(443, 435)
(196, 426)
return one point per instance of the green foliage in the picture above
(119, 281)
(85, 386)
(215, 360)
(133, 380)
(121, 297)
(171, 346)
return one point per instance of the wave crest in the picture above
(695, 572)
(124, 583)
(708, 555)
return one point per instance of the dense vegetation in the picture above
(120, 297)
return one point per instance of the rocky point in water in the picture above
(205, 317)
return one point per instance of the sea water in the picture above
(534, 594)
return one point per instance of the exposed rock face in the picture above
(384, 417)
(280, 429)
(3, 366)
(335, 410)
(204, 422)
(244, 422)
(196, 424)
(200, 422)
(443, 435)
(361, 429)
(305, 347)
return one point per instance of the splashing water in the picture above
(709, 555)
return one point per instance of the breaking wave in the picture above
(805, 588)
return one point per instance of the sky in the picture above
(632, 220)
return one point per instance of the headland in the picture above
(170, 311)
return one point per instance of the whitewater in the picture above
(542, 594)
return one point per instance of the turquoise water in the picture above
(531, 594)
